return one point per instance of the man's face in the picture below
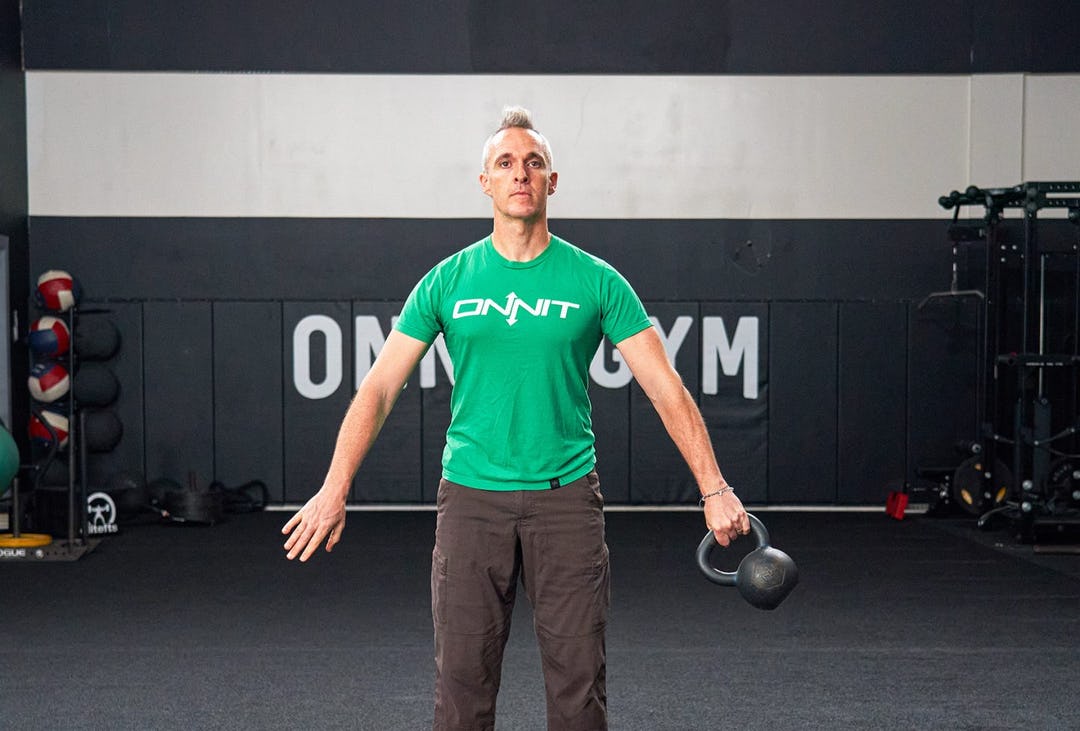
(516, 175)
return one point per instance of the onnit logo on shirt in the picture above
(543, 308)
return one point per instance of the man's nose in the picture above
(521, 173)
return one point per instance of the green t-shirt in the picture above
(521, 336)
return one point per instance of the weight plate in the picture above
(1063, 478)
(24, 540)
(977, 492)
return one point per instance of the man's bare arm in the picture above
(323, 516)
(644, 353)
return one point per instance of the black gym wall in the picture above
(209, 293)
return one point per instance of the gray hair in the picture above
(520, 118)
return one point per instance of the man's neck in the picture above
(518, 240)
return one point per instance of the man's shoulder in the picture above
(462, 259)
(580, 257)
(468, 253)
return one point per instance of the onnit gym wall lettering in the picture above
(720, 353)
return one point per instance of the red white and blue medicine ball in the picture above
(56, 291)
(39, 432)
(49, 337)
(48, 381)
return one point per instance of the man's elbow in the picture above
(668, 392)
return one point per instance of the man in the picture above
(522, 313)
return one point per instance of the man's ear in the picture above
(552, 181)
(485, 184)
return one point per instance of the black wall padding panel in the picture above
(872, 401)
(248, 394)
(802, 403)
(310, 425)
(944, 366)
(178, 387)
(738, 426)
(482, 36)
(658, 472)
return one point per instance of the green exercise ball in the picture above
(9, 459)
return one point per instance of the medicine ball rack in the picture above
(1037, 495)
(89, 428)
(78, 541)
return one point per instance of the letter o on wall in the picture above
(302, 356)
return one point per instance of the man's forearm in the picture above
(684, 424)
(363, 420)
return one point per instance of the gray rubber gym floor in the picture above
(917, 624)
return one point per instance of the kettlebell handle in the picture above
(715, 575)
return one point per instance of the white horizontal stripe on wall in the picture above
(302, 145)
(1052, 128)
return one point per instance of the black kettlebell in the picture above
(765, 576)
